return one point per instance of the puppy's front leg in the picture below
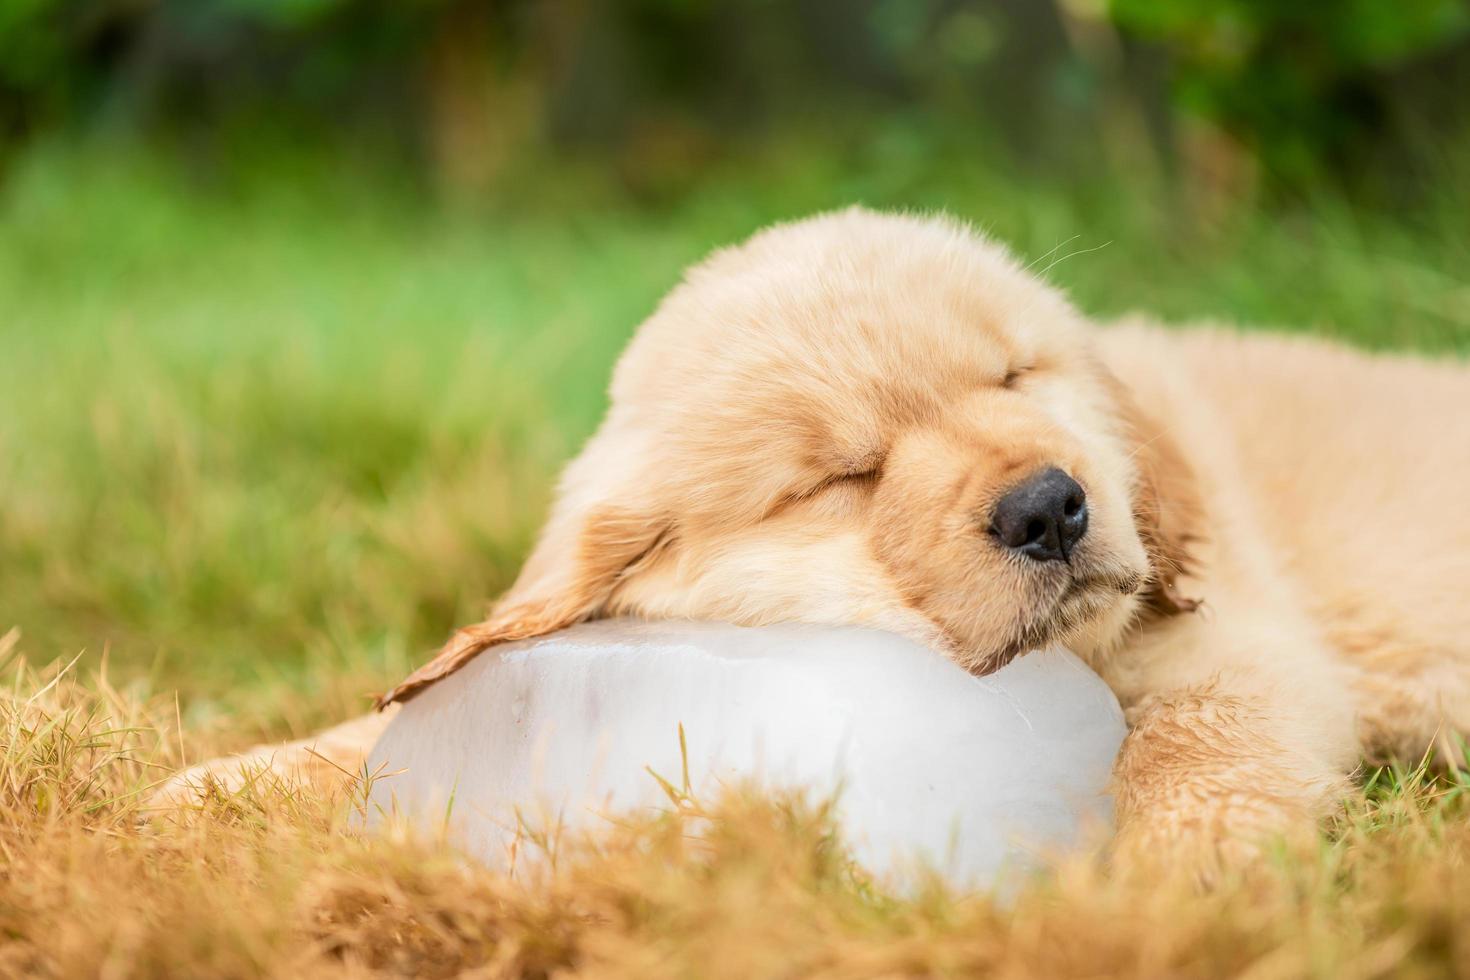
(1202, 784)
(322, 761)
(1235, 742)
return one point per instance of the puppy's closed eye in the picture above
(854, 469)
(857, 480)
(1013, 377)
(835, 488)
(864, 480)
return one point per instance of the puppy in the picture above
(883, 420)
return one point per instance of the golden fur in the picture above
(816, 424)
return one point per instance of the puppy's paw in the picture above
(1205, 792)
(1210, 843)
(230, 778)
(329, 762)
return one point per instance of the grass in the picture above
(267, 435)
(279, 882)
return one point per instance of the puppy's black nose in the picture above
(1043, 518)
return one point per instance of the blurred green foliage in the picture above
(1313, 83)
(1343, 89)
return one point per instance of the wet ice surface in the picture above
(969, 775)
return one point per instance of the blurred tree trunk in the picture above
(489, 79)
(476, 117)
(1130, 103)
(1033, 45)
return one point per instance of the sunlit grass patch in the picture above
(262, 447)
(255, 436)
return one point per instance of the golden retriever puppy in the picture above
(883, 420)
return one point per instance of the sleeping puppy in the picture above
(881, 420)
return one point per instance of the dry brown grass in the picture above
(277, 881)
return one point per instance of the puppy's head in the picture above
(856, 419)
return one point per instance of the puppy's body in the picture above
(836, 422)
(1335, 574)
(1339, 477)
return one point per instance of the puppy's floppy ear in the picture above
(580, 557)
(1167, 507)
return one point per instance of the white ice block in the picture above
(967, 774)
